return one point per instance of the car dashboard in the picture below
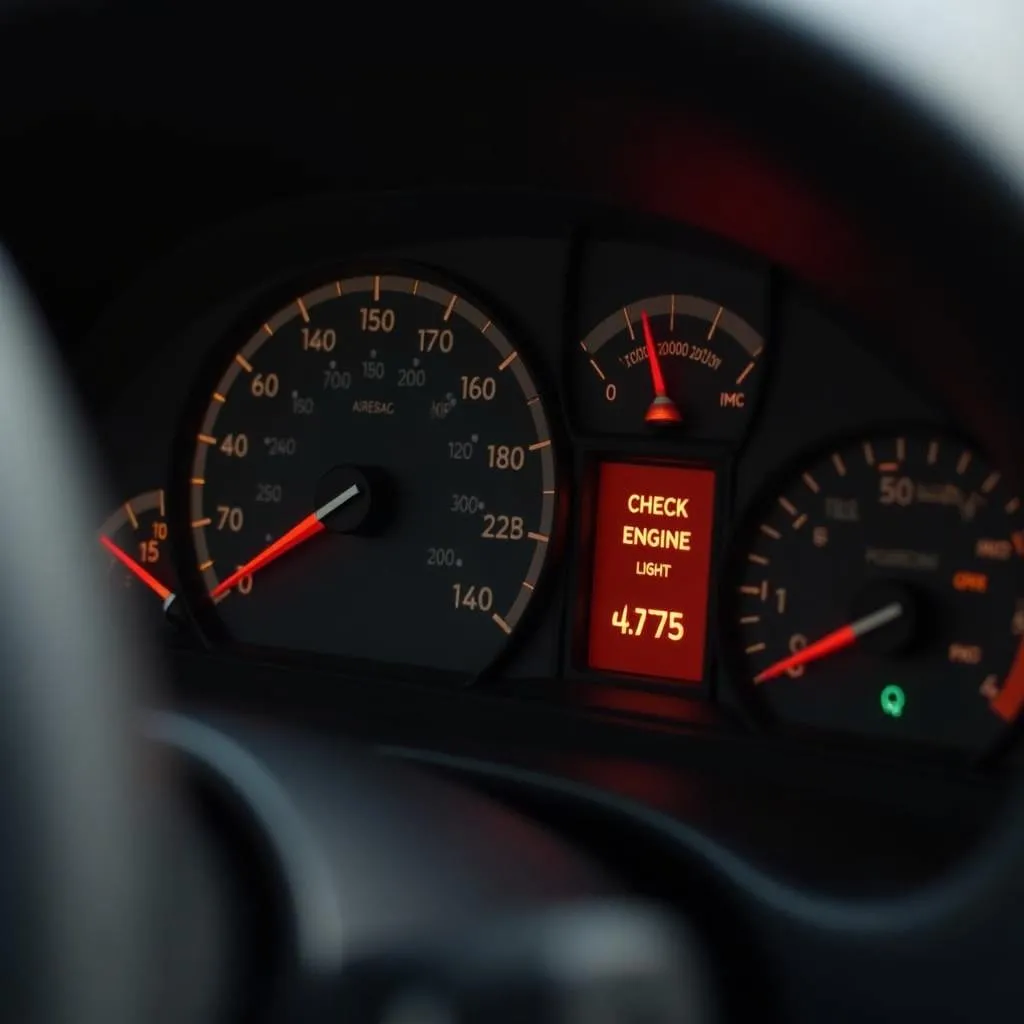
(541, 482)
(618, 460)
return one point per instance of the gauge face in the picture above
(135, 538)
(673, 362)
(879, 594)
(374, 479)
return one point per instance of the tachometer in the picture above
(671, 361)
(881, 593)
(374, 478)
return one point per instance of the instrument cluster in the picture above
(583, 453)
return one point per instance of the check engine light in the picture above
(652, 562)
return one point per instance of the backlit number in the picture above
(503, 456)
(236, 445)
(230, 517)
(466, 503)
(316, 340)
(337, 380)
(797, 642)
(896, 491)
(441, 556)
(269, 494)
(431, 339)
(412, 378)
(265, 386)
(374, 320)
(472, 597)
(281, 445)
(460, 450)
(149, 551)
(503, 527)
(477, 389)
(635, 627)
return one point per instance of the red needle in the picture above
(832, 642)
(129, 563)
(309, 527)
(662, 409)
(298, 534)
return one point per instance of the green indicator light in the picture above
(893, 700)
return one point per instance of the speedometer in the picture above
(374, 478)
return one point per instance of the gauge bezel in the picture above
(752, 711)
(271, 300)
(753, 307)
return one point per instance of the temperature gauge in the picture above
(671, 362)
(135, 537)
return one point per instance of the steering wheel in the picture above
(399, 898)
(73, 881)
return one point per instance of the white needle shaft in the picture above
(876, 620)
(335, 503)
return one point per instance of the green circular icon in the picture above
(893, 700)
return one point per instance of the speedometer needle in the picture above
(662, 409)
(837, 640)
(298, 534)
(137, 570)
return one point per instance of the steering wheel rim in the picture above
(76, 865)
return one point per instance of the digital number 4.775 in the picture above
(639, 622)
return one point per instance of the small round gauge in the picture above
(879, 594)
(374, 479)
(135, 538)
(675, 362)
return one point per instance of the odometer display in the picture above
(880, 594)
(374, 479)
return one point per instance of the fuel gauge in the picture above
(135, 537)
(676, 363)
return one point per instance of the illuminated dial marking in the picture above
(403, 395)
(896, 609)
(136, 539)
(714, 323)
(677, 363)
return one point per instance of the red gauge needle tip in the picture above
(132, 566)
(298, 534)
(837, 640)
(662, 409)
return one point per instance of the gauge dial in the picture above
(135, 538)
(374, 478)
(674, 362)
(880, 594)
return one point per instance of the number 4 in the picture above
(621, 619)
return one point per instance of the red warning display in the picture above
(652, 561)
